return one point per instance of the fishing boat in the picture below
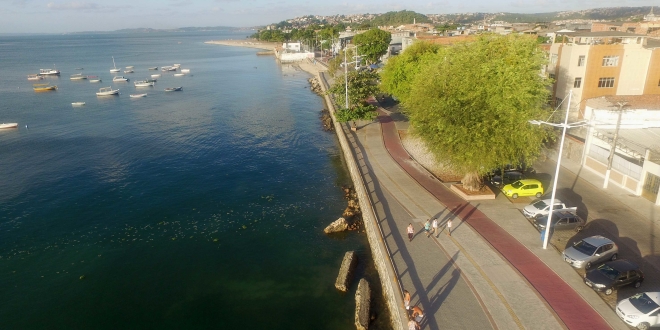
(8, 125)
(35, 77)
(179, 74)
(155, 75)
(151, 80)
(77, 104)
(94, 79)
(173, 89)
(168, 68)
(49, 72)
(114, 66)
(129, 71)
(43, 87)
(107, 91)
(120, 79)
(137, 95)
(143, 83)
(77, 76)
(153, 68)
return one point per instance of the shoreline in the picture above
(248, 43)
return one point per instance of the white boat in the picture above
(94, 79)
(114, 66)
(129, 71)
(185, 70)
(77, 104)
(153, 68)
(143, 83)
(155, 75)
(138, 95)
(49, 72)
(168, 68)
(179, 74)
(129, 67)
(105, 91)
(8, 125)
(176, 65)
(77, 76)
(120, 79)
(173, 89)
(35, 77)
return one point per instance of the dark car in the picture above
(614, 274)
(561, 220)
(499, 180)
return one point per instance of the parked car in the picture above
(542, 207)
(561, 220)
(508, 177)
(613, 275)
(641, 310)
(525, 187)
(590, 251)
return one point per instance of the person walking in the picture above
(434, 225)
(427, 227)
(411, 232)
(406, 299)
(417, 314)
(449, 227)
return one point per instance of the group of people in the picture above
(416, 316)
(430, 227)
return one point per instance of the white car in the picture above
(641, 310)
(542, 207)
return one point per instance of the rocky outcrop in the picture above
(352, 212)
(362, 305)
(326, 120)
(338, 226)
(315, 86)
(346, 271)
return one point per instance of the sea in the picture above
(197, 209)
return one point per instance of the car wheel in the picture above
(538, 195)
(643, 326)
(514, 196)
(587, 266)
(578, 228)
(608, 292)
(614, 256)
(638, 284)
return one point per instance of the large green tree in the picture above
(471, 102)
(361, 85)
(396, 78)
(372, 44)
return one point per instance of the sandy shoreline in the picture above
(249, 43)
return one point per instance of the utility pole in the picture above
(616, 136)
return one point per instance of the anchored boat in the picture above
(107, 91)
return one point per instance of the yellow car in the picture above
(525, 187)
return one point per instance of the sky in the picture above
(61, 16)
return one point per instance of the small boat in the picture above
(151, 80)
(129, 71)
(106, 91)
(129, 67)
(114, 66)
(35, 77)
(179, 74)
(77, 104)
(77, 76)
(138, 95)
(49, 72)
(176, 65)
(8, 125)
(185, 70)
(168, 68)
(173, 89)
(153, 68)
(155, 75)
(120, 79)
(80, 68)
(143, 83)
(43, 87)
(94, 79)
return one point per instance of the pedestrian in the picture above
(427, 227)
(411, 232)
(449, 227)
(406, 299)
(417, 314)
(434, 225)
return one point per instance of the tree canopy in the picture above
(396, 18)
(361, 85)
(471, 102)
(372, 44)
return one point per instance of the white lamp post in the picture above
(564, 126)
(346, 71)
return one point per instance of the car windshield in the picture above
(585, 248)
(517, 184)
(642, 302)
(608, 271)
(540, 205)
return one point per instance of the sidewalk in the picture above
(509, 300)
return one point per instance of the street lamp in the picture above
(564, 126)
(346, 71)
(616, 136)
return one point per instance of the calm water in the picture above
(194, 209)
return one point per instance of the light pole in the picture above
(616, 136)
(346, 71)
(564, 126)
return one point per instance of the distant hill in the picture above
(609, 14)
(396, 18)
(182, 29)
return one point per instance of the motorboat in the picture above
(43, 87)
(176, 65)
(153, 68)
(168, 68)
(129, 67)
(151, 80)
(143, 83)
(179, 74)
(8, 125)
(106, 91)
(173, 89)
(155, 75)
(185, 70)
(114, 69)
(138, 95)
(129, 71)
(120, 79)
(94, 79)
(34, 77)
(77, 104)
(49, 72)
(77, 76)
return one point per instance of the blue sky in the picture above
(57, 16)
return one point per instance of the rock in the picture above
(362, 305)
(346, 271)
(338, 226)
(326, 120)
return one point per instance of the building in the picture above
(594, 64)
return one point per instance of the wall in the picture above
(634, 65)
(294, 57)
(652, 85)
(596, 70)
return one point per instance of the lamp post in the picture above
(616, 136)
(346, 71)
(564, 126)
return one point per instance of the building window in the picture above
(606, 82)
(581, 60)
(553, 58)
(578, 82)
(610, 60)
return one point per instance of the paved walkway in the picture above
(519, 286)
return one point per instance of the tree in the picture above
(471, 103)
(361, 85)
(396, 18)
(396, 78)
(373, 44)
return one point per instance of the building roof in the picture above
(601, 34)
(648, 102)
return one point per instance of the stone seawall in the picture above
(388, 277)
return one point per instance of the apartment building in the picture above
(594, 64)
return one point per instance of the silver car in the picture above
(590, 251)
